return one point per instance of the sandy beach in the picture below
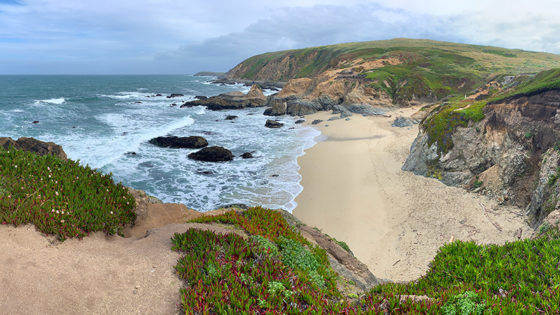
(394, 221)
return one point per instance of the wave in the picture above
(56, 101)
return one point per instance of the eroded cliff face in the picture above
(512, 154)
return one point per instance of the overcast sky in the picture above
(186, 36)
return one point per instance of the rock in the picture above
(247, 155)
(175, 95)
(230, 117)
(201, 97)
(366, 110)
(300, 121)
(343, 111)
(231, 100)
(212, 154)
(131, 153)
(173, 105)
(273, 124)
(235, 205)
(137, 102)
(404, 122)
(277, 107)
(326, 102)
(300, 107)
(334, 118)
(342, 261)
(159, 94)
(35, 146)
(193, 142)
(316, 121)
(35, 121)
(256, 92)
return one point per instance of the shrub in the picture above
(60, 197)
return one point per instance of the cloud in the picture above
(169, 36)
(291, 28)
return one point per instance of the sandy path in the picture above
(393, 221)
(96, 275)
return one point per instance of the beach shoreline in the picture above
(394, 221)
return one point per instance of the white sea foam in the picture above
(56, 101)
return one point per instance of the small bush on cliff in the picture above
(60, 197)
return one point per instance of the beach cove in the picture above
(392, 220)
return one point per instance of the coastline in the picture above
(394, 221)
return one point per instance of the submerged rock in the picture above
(230, 117)
(212, 154)
(193, 142)
(174, 95)
(247, 155)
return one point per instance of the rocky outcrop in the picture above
(231, 100)
(35, 146)
(212, 154)
(192, 142)
(511, 154)
(355, 273)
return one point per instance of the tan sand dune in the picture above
(392, 220)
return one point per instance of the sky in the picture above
(186, 36)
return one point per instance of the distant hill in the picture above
(402, 68)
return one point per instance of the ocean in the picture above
(99, 119)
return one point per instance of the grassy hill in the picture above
(401, 67)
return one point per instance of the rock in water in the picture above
(230, 117)
(175, 95)
(231, 100)
(193, 142)
(247, 155)
(273, 124)
(212, 154)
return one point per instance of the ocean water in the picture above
(99, 119)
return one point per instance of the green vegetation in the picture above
(518, 277)
(542, 82)
(60, 197)
(273, 272)
(449, 116)
(458, 112)
(464, 304)
(308, 261)
(426, 68)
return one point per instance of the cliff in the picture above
(389, 72)
(505, 145)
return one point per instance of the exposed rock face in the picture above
(193, 142)
(34, 145)
(277, 107)
(343, 262)
(231, 100)
(273, 124)
(212, 154)
(511, 154)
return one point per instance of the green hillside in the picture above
(423, 67)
